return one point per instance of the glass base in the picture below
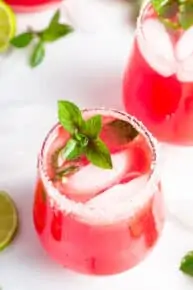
(177, 180)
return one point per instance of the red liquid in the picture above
(100, 247)
(163, 103)
(31, 5)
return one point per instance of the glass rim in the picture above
(139, 27)
(69, 206)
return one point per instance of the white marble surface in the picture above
(87, 68)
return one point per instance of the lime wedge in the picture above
(7, 25)
(8, 219)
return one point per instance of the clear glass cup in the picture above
(158, 81)
(158, 89)
(113, 228)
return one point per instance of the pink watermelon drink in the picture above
(32, 5)
(98, 205)
(158, 83)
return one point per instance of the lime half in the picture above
(7, 25)
(8, 220)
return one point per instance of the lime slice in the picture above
(7, 25)
(8, 219)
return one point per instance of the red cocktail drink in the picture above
(94, 220)
(158, 83)
(32, 5)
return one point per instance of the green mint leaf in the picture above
(122, 130)
(22, 40)
(186, 15)
(166, 8)
(170, 24)
(55, 32)
(68, 170)
(81, 139)
(72, 150)
(38, 54)
(55, 19)
(93, 126)
(186, 265)
(70, 116)
(167, 11)
(98, 154)
(159, 5)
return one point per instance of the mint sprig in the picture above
(175, 14)
(84, 136)
(186, 265)
(54, 31)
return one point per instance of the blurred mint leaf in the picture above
(22, 40)
(186, 15)
(55, 29)
(51, 33)
(186, 265)
(55, 32)
(166, 8)
(55, 19)
(38, 54)
(175, 13)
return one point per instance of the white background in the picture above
(87, 68)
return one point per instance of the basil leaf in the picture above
(38, 54)
(98, 154)
(186, 265)
(93, 126)
(69, 116)
(22, 40)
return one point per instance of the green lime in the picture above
(8, 219)
(7, 25)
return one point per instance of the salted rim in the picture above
(79, 209)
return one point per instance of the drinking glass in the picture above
(158, 81)
(158, 89)
(98, 221)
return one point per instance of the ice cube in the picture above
(185, 70)
(121, 200)
(90, 180)
(156, 47)
(184, 47)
